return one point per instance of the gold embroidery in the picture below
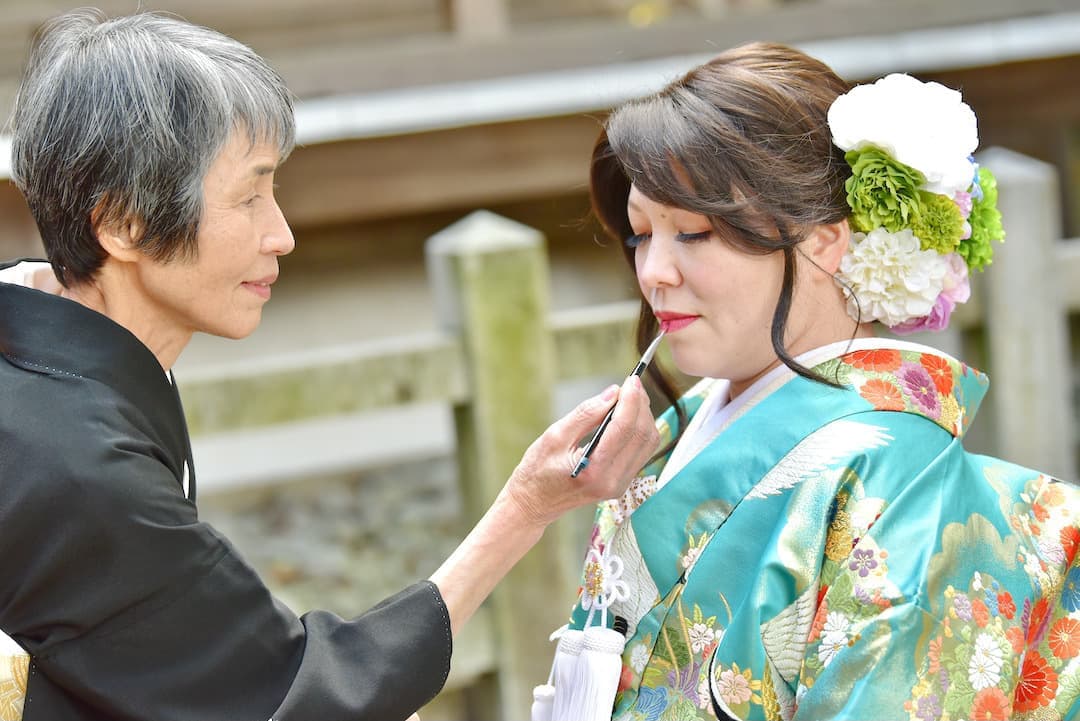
(838, 542)
(13, 678)
(594, 579)
(950, 414)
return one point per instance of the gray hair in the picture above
(120, 119)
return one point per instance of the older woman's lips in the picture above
(260, 287)
(672, 322)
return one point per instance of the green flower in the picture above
(985, 222)
(882, 193)
(939, 223)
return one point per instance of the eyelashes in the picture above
(637, 239)
(693, 237)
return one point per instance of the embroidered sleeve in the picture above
(955, 598)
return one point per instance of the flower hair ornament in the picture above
(923, 213)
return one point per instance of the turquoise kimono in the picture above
(837, 554)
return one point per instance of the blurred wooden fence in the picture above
(501, 352)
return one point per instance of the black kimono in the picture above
(130, 607)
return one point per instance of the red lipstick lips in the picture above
(672, 322)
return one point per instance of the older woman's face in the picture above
(241, 234)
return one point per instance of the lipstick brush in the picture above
(646, 358)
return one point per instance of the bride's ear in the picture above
(827, 244)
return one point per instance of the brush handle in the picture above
(592, 444)
(638, 370)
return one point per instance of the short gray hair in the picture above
(120, 119)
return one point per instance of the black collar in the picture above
(44, 333)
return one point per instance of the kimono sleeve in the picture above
(953, 592)
(132, 608)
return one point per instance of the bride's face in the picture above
(715, 301)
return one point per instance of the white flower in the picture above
(924, 125)
(834, 636)
(1032, 565)
(703, 693)
(984, 668)
(700, 637)
(733, 687)
(830, 646)
(893, 280)
(639, 656)
(836, 623)
(691, 558)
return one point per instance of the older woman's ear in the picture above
(826, 245)
(119, 238)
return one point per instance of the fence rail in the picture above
(419, 368)
(501, 352)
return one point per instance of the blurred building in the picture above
(413, 113)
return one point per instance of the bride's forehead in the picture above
(638, 202)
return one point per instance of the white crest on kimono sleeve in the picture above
(784, 636)
(817, 452)
(643, 594)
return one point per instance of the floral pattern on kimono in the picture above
(838, 554)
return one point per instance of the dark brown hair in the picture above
(744, 140)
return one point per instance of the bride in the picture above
(813, 541)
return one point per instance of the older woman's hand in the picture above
(540, 490)
(541, 484)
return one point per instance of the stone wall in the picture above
(345, 542)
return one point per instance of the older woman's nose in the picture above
(278, 238)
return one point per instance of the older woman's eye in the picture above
(637, 239)
(693, 237)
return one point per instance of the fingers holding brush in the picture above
(626, 444)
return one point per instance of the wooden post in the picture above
(479, 19)
(490, 280)
(1026, 320)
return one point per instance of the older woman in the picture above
(146, 148)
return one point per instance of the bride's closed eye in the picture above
(693, 237)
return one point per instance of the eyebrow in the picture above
(260, 170)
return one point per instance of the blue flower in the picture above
(992, 602)
(1070, 594)
(651, 702)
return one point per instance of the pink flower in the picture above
(938, 319)
(962, 199)
(956, 284)
(920, 386)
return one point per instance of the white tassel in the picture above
(543, 699)
(596, 678)
(564, 671)
(588, 663)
